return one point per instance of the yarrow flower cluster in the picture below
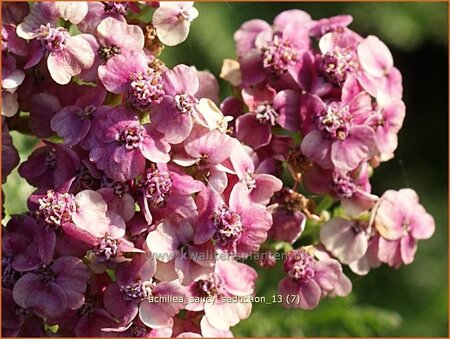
(153, 196)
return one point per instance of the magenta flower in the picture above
(12, 78)
(347, 240)
(26, 245)
(48, 99)
(142, 84)
(401, 221)
(267, 55)
(172, 21)
(106, 236)
(133, 283)
(338, 137)
(72, 123)
(18, 321)
(308, 279)
(91, 317)
(124, 144)
(238, 228)
(172, 243)
(369, 260)
(12, 319)
(13, 13)
(10, 156)
(339, 59)
(67, 55)
(289, 221)
(52, 289)
(92, 321)
(165, 190)
(98, 11)
(157, 314)
(230, 279)
(352, 189)
(255, 127)
(261, 186)
(323, 26)
(206, 150)
(174, 116)
(114, 37)
(50, 166)
(49, 12)
(118, 199)
(387, 122)
(379, 74)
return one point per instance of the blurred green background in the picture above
(411, 301)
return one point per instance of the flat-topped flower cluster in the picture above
(153, 196)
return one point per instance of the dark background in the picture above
(411, 301)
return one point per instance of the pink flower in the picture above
(133, 285)
(339, 59)
(172, 244)
(101, 10)
(401, 222)
(67, 55)
(50, 166)
(49, 12)
(208, 86)
(52, 289)
(387, 122)
(166, 190)
(74, 214)
(10, 156)
(27, 245)
(118, 199)
(44, 102)
(261, 186)
(106, 236)
(124, 144)
(12, 78)
(174, 115)
(159, 311)
(379, 74)
(323, 26)
(338, 137)
(12, 43)
(237, 228)
(270, 55)
(206, 150)
(142, 84)
(346, 239)
(308, 280)
(230, 279)
(343, 286)
(73, 123)
(255, 127)
(369, 260)
(114, 37)
(172, 21)
(352, 189)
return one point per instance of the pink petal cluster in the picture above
(343, 101)
(154, 200)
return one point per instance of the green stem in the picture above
(324, 204)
